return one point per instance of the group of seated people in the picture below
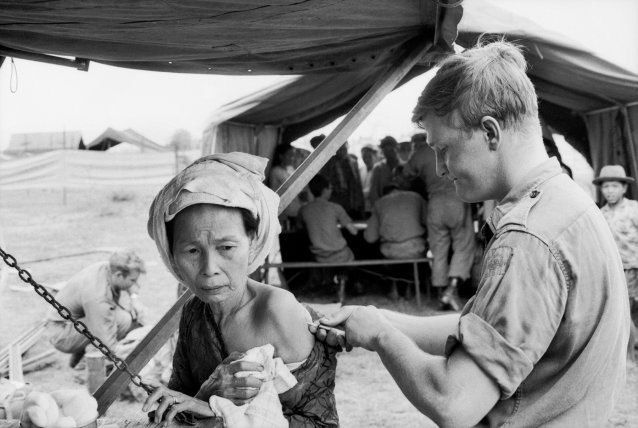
(392, 194)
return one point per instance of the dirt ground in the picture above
(39, 224)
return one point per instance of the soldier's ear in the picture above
(491, 132)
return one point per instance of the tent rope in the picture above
(13, 80)
(79, 325)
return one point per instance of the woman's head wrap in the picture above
(228, 179)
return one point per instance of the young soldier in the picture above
(543, 342)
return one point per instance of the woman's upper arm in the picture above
(291, 338)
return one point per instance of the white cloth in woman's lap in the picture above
(264, 411)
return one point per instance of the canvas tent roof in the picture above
(570, 81)
(340, 48)
(112, 137)
(221, 37)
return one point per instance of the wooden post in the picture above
(142, 354)
(15, 363)
(95, 370)
(329, 146)
(341, 293)
(417, 285)
(633, 161)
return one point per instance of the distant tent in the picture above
(39, 142)
(112, 138)
(81, 146)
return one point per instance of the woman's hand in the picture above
(223, 382)
(172, 402)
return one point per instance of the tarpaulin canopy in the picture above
(221, 37)
(346, 46)
(570, 81)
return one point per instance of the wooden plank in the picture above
(354, 263)
(33, 363)
(141, 355)
(25, 341)
(328, 147)
(15, 364)
(38, 361)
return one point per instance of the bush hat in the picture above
(613, 173)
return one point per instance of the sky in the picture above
(37, 97)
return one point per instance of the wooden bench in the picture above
(360, 263)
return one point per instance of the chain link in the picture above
(79, 325)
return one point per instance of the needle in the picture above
(327, 328)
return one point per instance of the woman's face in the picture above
(211, 251)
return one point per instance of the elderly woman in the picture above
(214, 224)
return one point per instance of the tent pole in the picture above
(329, 146)
(150, 345)
(111, 389)
(633, 162)
(81, 64)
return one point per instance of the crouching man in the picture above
(95, 296)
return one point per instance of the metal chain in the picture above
(79, 325)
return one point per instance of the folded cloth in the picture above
(264, 411)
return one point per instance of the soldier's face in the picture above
(464, 158)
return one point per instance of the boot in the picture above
(450, 298)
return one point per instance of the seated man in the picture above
(322, 219)
(398, 221)
(93, 296)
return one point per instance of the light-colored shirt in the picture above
(623, 222)
(549, 323)
(397, 217)
(381, 176)
(422, 164)
(322, 219)
(89, 295)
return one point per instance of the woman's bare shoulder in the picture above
(285, 320)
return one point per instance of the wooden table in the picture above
(361, 263)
